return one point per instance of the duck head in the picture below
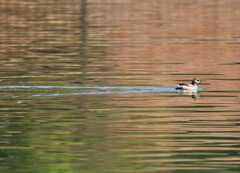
(195, 81)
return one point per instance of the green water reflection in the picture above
(73, 133)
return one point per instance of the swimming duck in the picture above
(187, 87)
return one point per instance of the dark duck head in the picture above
(195, 81)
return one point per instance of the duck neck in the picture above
(193, 82)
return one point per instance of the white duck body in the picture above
(188, 87)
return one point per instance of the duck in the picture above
(189, 87)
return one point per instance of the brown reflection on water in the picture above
(119, 43)
(95, 42)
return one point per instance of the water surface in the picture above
(88, 86)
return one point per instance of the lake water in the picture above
(88, 86)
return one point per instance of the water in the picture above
(88, 86)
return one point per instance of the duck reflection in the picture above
(194, 94)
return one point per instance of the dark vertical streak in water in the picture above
(84, 33)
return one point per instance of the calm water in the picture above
(88, 86)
